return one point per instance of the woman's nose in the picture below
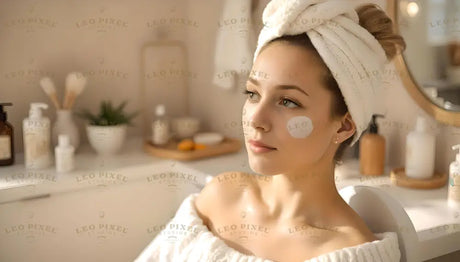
(260, 118)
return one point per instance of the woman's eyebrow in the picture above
(283, 87)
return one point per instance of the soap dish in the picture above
(398, 177)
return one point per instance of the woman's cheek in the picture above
(299, 127)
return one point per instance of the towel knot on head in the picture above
(353, 55)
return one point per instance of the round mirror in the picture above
(430, 65)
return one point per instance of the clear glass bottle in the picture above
(161, 126)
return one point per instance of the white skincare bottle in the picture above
(37, 136)
(453, 194)
(420, 151)
(64, 153)
(160, 126)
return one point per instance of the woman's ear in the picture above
(347, 128)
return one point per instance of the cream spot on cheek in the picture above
(299, 126)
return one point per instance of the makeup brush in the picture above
(48, 86)
(74, 84)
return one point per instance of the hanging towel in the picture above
(235, 44)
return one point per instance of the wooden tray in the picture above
(228, 145)
(399, 178)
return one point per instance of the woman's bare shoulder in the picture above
(354, 230)
(219, 193)
(344, 229)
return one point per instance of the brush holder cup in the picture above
(64, 124)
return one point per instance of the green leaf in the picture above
(121, 107)
(109, 115)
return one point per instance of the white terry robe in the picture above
(186, 238)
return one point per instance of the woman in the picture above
(302, 110)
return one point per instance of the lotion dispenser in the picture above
(37, 136)
(454, 180)
(372, 150)
(420, 151)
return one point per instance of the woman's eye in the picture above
(247, 92)
(289, 101)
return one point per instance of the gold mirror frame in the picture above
(439, 113)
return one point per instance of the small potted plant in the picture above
(107, 130)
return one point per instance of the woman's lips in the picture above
(260, 144)
(259, 147)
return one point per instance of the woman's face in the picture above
(295, 122)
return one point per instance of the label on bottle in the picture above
(160, 132)
(454, 187)
(37, 144)
(5, 147)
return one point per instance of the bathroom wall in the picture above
(104, 38)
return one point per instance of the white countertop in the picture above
(437, 225)
(16, 182)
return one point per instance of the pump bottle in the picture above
(420, 150)
(454, 180)
(372, 150)
(6, 138)
(37, 136)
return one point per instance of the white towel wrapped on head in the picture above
(353, 55)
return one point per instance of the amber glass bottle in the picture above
(372, 151)
(6, 138)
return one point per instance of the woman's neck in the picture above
(301, 194)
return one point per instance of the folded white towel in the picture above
(354, 56)
(235, 44)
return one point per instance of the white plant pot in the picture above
(106, 140)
